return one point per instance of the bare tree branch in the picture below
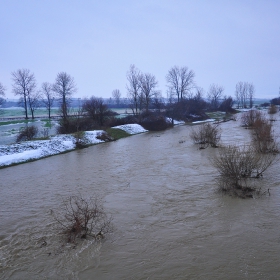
(148, 84)
(180, 81)
(116, 95)
(64, 87)
(214, 95)
(48, 94)
(24, 85)
(133, 88)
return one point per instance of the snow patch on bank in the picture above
(131, 128)
(209, 120)
(31, 150)
(175, 122)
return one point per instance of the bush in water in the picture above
(238, 167)
(81, 218)
(206, 134)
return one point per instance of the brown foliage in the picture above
(249, 118)
(272, 109)
(263, 137)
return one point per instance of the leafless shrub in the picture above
(272, 109)
(238, 167)
(205, 135)
(82, 218)
(249, 118)
(263, 137)
(27, 133)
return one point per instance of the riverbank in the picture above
(33, 150)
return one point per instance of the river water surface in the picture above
(169, 220)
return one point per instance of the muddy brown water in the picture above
(169, 220)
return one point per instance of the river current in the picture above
(170, 222)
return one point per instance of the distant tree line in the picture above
(185, 99)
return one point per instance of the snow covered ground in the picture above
(175, 122)
(31, 150)
(204, 121)
(131, 128)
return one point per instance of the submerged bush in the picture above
(263, 137)
(249, 118)
(27, 133)
(238, 167)
(80, 218)
(206, 134)
(272, 109)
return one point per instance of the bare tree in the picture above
(237, 95)
(96, 109)
(226, 104)
(157, 101)
(48, 94)
(180, 81)
(24, 84)
(133, 88)
(116, 95)
(196, 104)
(64, 87)
(251, 93)
(240, 94)
(148, 84)
(214, 95)
(2, 93)
(33, 101)
(244, 92)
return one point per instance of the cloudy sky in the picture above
(95, 41)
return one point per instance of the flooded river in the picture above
(169, 220)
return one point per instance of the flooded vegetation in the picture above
(170, 221)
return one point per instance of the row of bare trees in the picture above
(141, 90)
(239, 166)
(244, 94)
(25, 86)
(262, 132)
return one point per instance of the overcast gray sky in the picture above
(96, 41)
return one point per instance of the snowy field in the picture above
(32, 150)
